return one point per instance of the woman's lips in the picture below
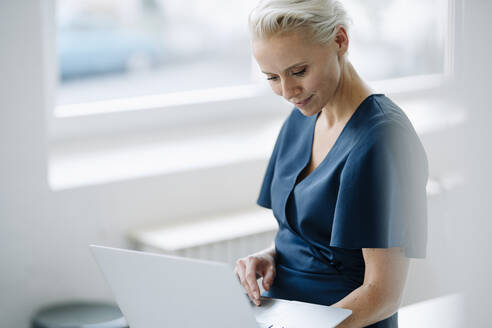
(304, 102)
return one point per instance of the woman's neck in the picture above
(350, 93)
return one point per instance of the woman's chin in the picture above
(308, 111)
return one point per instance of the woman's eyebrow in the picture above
(288, 68)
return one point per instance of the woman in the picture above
(346, 180)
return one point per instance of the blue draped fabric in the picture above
(368, 192)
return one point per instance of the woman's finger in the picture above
(240, 271)
(251, 280)
(268, 278)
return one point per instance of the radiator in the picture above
(222, 238)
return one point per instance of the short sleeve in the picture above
(382, 198)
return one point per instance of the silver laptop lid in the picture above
(156, 291)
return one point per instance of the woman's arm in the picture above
(380, 295)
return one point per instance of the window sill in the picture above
(104, 160)
(161, 111)
(95, 161)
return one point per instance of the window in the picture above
(206, 77)
(398, 38)
(110, 49)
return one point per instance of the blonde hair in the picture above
(320, 17)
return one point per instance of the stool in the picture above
(79, 315)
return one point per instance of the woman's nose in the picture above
(290, 89)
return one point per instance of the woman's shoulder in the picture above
(386, 129)
(384, 120)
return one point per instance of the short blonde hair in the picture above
(320, 17)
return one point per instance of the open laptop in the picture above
(161, 291)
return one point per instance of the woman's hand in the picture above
(252, 267)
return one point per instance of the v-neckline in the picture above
(310, 152)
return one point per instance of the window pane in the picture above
(397, 38)
(112, 49)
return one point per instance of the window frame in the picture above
(163, 111)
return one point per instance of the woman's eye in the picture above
(272, 78)
(300, 73)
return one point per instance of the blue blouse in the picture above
(368, 192)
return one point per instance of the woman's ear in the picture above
(341, 40)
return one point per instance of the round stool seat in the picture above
(80, 315)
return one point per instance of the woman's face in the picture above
(304, 73)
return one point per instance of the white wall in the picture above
(44, 234)
(473, 210)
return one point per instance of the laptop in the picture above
(161, 291)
